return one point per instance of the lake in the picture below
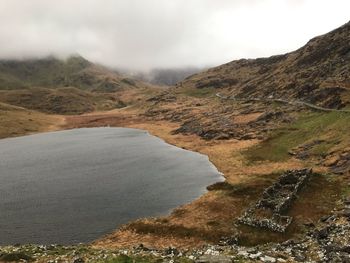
(77, 185)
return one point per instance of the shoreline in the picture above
(191, 219)
(61, 127)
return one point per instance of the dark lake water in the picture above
(75, 186)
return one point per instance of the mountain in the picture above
(51, 72)
(71, 86)
(316, 73)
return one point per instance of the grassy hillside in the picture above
(71, 86)
(60, 101)
(55, 73)
(316, 134)
(16, 121)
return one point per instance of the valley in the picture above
(252, 139)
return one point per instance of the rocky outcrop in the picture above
(163, 97)
(270, 211)
(342, 164)
(221, 124)
(303, 152)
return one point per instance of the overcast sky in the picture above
(144, 34)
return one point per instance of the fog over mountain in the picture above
(163, 76)
(148, 34)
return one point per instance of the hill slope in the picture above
(317, 73)
(16, 121)
(66, 100)
(51, 72)
(71, 86)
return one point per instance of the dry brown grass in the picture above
(15, 121)
(246, 118)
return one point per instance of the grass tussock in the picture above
(172, 230)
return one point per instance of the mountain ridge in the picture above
(67, 86)
(51, 72)
(317, 73)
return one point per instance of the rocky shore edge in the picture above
(328, 241)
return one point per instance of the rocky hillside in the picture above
(51, 72)
(316, 73)
(71, 86)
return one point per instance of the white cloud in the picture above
(142, 34)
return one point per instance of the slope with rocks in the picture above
(316, 73)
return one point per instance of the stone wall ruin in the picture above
(270, 211)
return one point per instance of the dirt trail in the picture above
(290, 102)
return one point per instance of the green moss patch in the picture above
(333, 127)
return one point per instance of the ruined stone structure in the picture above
(270, 211)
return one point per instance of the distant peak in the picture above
(77, 59)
